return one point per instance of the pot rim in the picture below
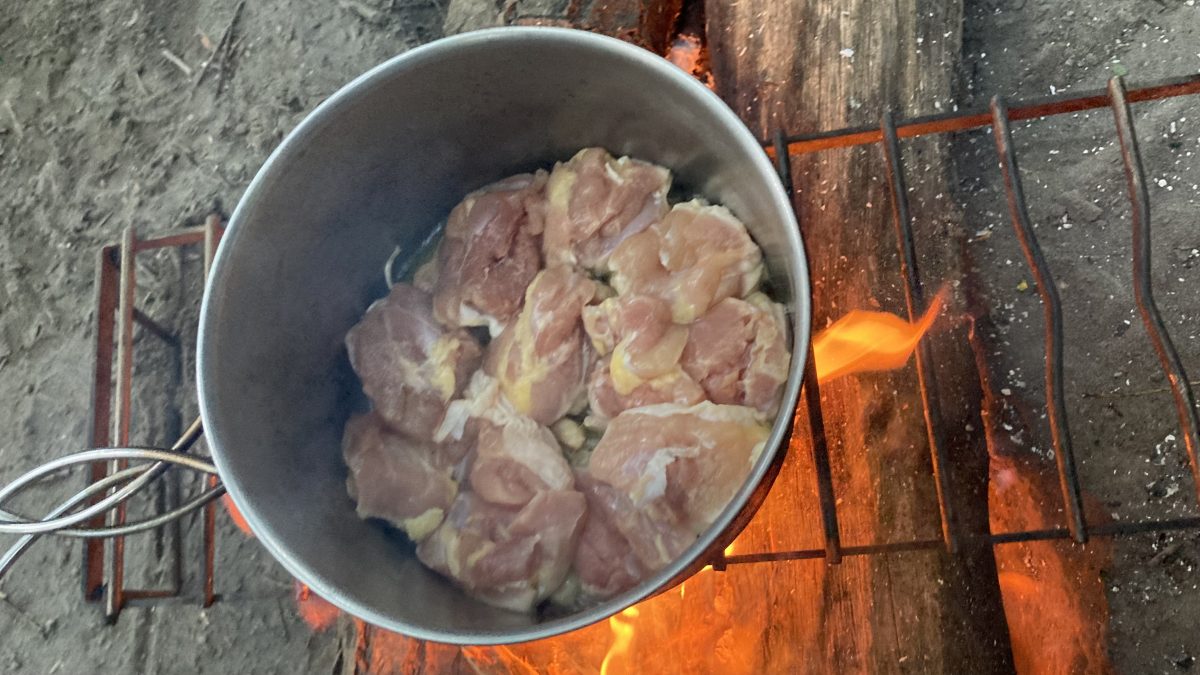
(294, 142)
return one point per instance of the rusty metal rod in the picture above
(114, 578)
(826, 501)
(1143, 285)
(1056, 407)
(101, 413)
(963, 120)
(914, 299)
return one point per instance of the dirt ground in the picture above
(99, 130)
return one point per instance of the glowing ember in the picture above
(864, 341)
(688, 53)
(236, 516)
(315, 610)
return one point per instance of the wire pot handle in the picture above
(74, 516)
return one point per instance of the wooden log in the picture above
(647, 23)
(811, 65)
(1045, 584)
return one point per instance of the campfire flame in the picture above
(622, 636)
(863, 341)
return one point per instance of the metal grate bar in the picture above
(948, 122)
(1060, 434)
(116, 288)
(114, 577)
(1102, 530)
(101, 431)
(1156, 329)
(914, 298)
(827, 502)
(211, 232)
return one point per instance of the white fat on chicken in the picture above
(594, 202)
(490, 252)
(540, 360)
(678, 467)
(697, 256)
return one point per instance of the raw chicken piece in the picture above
(644, 348)
(514, 462)
(697, 256)
(594, 202)
(738, 352)
(607, 402)
(404, 481)
(510, 557)
(541, 360)
(604, 561)
(678, 467)
(490, 253)
(410, 366)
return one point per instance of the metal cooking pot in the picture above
(378, 165)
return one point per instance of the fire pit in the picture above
(1027, 510)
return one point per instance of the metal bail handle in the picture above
(80, 515)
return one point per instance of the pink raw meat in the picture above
(508, 556)
(738, 352)
(514, 462)
(540, 360)
(410, 366)
(697, 256)
(594, 202)
(678, 467)
(406, 482)
(605, 560)
(490, 253)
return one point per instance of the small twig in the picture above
(223, 70)
(178, 62)
(1166, 553)
(1132, 394)
(17, 128)
(218, 53)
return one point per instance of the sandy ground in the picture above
(98, 131)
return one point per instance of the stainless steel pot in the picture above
(377, 165)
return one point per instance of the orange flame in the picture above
(622, 636)
(315, 610)
(864, 341)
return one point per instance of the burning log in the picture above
(808, 66)
(647, 23)
(1044, 583)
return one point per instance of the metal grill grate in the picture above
(116, 316)
(999, 117)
